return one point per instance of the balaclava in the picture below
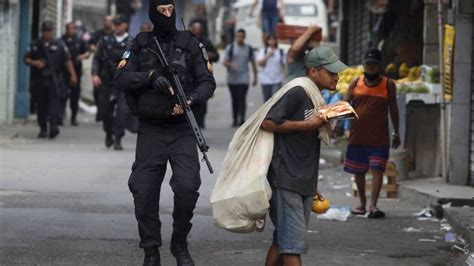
(164, 27)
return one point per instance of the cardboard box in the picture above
(289, 33)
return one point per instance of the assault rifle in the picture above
(182, 101)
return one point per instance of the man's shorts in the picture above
(359, 159)
(290, 212)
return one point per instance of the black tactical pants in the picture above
(113, 111)
(238, 92)
(74, 97)
(156, 145)
(47, 104)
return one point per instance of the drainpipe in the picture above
(22, 96)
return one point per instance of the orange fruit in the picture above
(320, 204)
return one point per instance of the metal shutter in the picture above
(358, 30)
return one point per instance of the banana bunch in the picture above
(346, 76)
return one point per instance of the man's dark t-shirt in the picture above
(295, 161)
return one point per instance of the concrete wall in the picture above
(8, 53)
(430, 33)
(461, 105)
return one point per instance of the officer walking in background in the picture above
(93, 42)
(49, 59)
(78, 51)
(164, 134)
(112, 108)
(197, 29)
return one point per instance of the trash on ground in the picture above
(445, 226)
(426, 240)
(336, 213)
(348, 194)
(340, 186)
(411, 229)
(320, 177)
(322, 161)
(313, 232)
(447, 205)
(426, 212)
(450, 237)
(427, 219)
(464, 250)
(470, 259)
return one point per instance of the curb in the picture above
(456, 216)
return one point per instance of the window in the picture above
(300, 10)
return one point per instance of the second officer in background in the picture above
(78, 50)
(49, 59)
(111, 104)
(163, 133)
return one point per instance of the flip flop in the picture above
(358, 210)
(375, 213)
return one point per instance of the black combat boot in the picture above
(53, 131)
(179, 249)
(152, 257)
(118, 144)
(109, 140)
(42, 134)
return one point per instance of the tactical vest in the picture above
(149, 104)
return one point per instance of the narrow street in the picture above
(67, 202)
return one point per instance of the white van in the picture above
(297, 12)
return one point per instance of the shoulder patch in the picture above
(126, 54)
(206, 57)
(204, 51)
(122, 64)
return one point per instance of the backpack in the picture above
(281, 54)
(230, 54)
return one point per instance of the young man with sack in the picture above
(298, 131)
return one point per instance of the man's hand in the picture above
(162, 85)
(395, 141)
(315, 121)
(73, 81)
(96, 81)
(39, 64)
(178, 110)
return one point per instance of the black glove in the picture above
(159, 83)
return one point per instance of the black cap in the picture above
(372, 55)
(120, 18)
(47, 26)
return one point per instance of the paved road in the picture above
(66, 202)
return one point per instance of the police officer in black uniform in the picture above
(197, 29)
(49, 59)
(111, 104)
(78, 51)
(163, 133)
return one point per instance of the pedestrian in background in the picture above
(272, 12)
(78, 51)
(198, 31)
(271, 61)
(112, 108)
(293, 173)
(49, 59)
(146, 27)
(108, 28)
(372, 96)
(297, 52)
(238, 56)
(163, 132)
